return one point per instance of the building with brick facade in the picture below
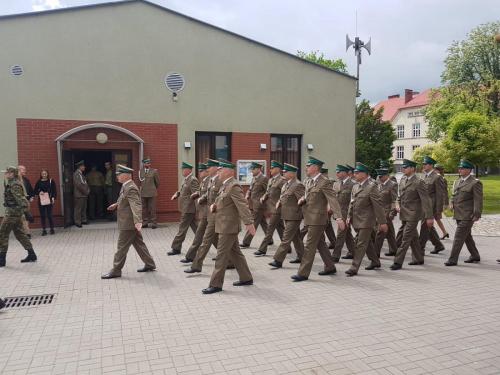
(119, 81)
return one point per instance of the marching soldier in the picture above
(384, 164)
(436, 188)
(190, 185)
(16, 205)
(80, 193)
(257, 189)
(388, 194)
(413, 204)
(467, 205)
(350, 172)
(230, 209)
(365, 211)
(201, 212)
(129, 213)
(150, 181)
(343, 188)
(210, 237)
(291, 213)
(318, 198)
(446, 201)
(270, 199)
(329, 232)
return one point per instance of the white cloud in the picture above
(39, 5)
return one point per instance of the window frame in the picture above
(212, 136)
(283, 138)
(400, 129)
(415, 129)
(398, 149)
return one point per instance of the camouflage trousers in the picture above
(13, 224)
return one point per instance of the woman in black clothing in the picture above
(45, 189)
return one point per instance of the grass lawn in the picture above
(491, 193)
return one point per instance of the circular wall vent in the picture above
(16, 70)
(174, 82)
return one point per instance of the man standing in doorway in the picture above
(190, 185)
(257, 189)
(129, 212)
(80, 194)
(150, 181)
(95, 179)
(108, 186)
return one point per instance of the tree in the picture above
(319, 58)
(374, 137)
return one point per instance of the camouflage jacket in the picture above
(15, 201)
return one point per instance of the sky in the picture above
(409, 38)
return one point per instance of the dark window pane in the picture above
(222, 146)
(203, 143)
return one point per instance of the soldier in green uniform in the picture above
(269, 199)
(201, 212)
(16, 205)
(388, 190)
(467, 205)
(129, 213)
(329, 231)
(343, 188)
(80, 194)
(150, 182)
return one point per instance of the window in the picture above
(400, 131)
(400, 152)
(416, 130)
(213, 146)
(286, 149)
(414, 147)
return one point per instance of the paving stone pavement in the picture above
(422, 320)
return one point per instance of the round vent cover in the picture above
(16, 70)
(174, 82)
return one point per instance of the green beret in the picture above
(314, 161)
(384, 164)
(212, 163)
(341, 168)
(349, 167)
(81, 162)
(382, 172)
(290, 168)
(324, 170)
(202, 167)
(409, 163)
(429, 160)
(223, 163)
(255, 165)
(465, 164)
(122, 169)
(146, 161)
(360, 167)
(276, 164)
(186, 165)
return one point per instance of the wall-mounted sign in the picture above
(244, 173)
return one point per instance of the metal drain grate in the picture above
(28, 301)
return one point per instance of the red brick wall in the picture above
(37, 150)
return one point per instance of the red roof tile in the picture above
(393, 105)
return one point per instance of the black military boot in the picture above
(2, 259)
(31, 257)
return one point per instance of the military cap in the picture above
(276, 164)
(324, 170)
(314, 161)
(429, 160)
(350, 168)
(384, 164)
(223, 163)
(202, 167)
(360, 167)
(439, 167)
(290, 168)
(81, 162)
(10, 168)
(122, 169)
(146, 160)
(186, 165)
(465, 164)
(212, 163)
(255, 165)
(341, 168)
(409, 163)
(382, 172)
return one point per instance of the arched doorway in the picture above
(96, 143)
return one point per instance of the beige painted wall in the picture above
(108, 63)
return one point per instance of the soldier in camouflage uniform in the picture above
(16, 205)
